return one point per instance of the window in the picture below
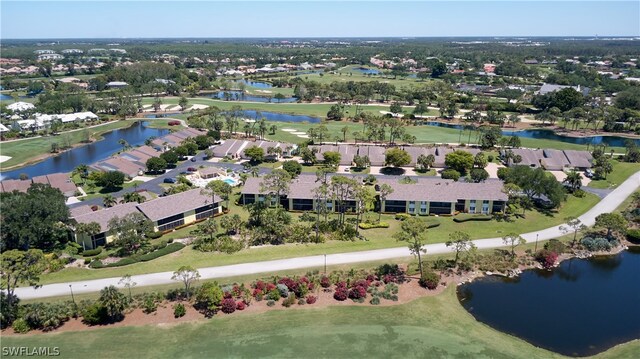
(472, 206)
(99, 240)
(485, 206)
(412, 206)
(302, 204)
(168, 223)
(498, 206)
(423, 207)
(395, 206)
(330, 206)
(460, 205)
(249, 198)
(440, 208)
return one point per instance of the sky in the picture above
(26, 19)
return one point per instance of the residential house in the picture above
(183, 208)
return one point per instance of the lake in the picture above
(610, 141)
(279, 117)
(366, 71)
(240, 96)
(581, 308)
(256, 84)
(88, 154)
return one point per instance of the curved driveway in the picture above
(608, 204)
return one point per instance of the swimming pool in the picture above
(230, 181)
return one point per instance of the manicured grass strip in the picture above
(427, 327)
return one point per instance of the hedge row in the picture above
(363, 225)
(173, 247)
(471, 217)
(92, 252)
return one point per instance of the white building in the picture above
(21, 106)
(50, 57)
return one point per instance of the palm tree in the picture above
(344, 131)
(262, 127)
(132, 197)
(273, 129)
(124, 143)
(574, 180)
(109, 201)
(81, 170)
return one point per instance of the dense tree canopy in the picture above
(36, 219)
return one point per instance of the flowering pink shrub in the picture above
(311, 299)
(546, 258)
(270, 287)
(228, 305)
(240, 305)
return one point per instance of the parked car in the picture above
(193, 159)
(588, 172)
(192, 169)
(169, 180)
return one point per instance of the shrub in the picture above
(490, 158)
(123, 262)
(87, 261)
(429, 280)
(228, 305)
(173, 247)
(283, 290)
(301, 301)
(579, 193)
(546, 258)
(273, 295)
(450, 174)
(633, 235)
(153, 235)
(465, 217)
(596, 244)
(364, 225)
(325, 282)
(341, 294)
(20, 326)
(556, 246)
(357, 292)
(92, 252)
(375, 300)
(149, 305)
(271, 303)
(289, 301)
(402, 216)
(240, 305)
(94, 314)
(179, 310)
(311, 299)
(96, 263)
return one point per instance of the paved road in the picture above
(608, 204)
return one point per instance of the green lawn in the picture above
(427, 327)
(377, 239)
(99, 192)
(25, 151)
(621, 171)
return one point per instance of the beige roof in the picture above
(103, 216)
(80, 210)
(168, 206)
(17, 185)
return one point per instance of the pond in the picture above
(279, 117)
(88, 154)
(583, 307)
(366, 71)
(161, 115)
(256, 84)
(240, 96)
(610, 141)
